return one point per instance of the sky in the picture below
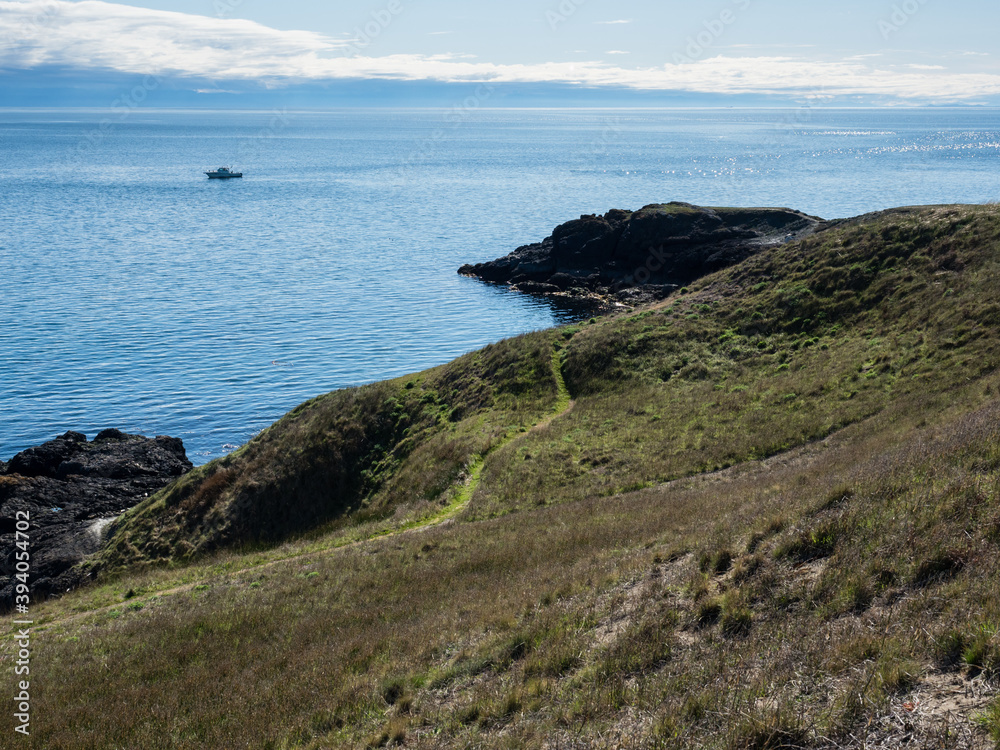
(593, 52)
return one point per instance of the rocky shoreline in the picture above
(72, 489)
(631, 257)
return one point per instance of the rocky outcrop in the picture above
(645, 254)
(71, 489)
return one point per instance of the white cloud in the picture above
(617, 52)
(614, 23)
(94, 35)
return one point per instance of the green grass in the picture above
(799, 342)
(599, 582)
(351, 457)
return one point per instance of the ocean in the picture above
(136, 293)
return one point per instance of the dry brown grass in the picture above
(492, 631)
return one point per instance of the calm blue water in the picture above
(136, 293)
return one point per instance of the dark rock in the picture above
(44, 460)
(110, 434)
(645, 294)
(67, 486)
(574, 281)
(535, 287)
(651, 251)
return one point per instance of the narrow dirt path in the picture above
(564, 402)
(563, 405)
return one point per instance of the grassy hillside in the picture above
(352, 456)
(761, 514)
(785, 348)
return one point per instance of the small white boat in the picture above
(223, 173)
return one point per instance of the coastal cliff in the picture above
(644, 255)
